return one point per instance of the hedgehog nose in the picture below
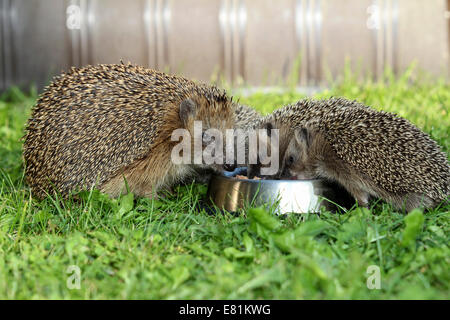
(253, 171)
(229, 167)
(283, 174)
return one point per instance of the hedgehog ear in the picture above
(187, 109)
(303, 135)
(268, 127)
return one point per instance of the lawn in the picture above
(132, 248)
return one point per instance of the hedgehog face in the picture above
(208, 124)
(298, 149)
(299, 158)
(279, 133)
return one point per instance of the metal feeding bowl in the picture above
(284, 196)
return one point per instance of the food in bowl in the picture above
(233, 192)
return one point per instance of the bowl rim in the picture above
(266, 181)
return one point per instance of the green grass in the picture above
(167, 249)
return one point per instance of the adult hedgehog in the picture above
(368, 152)
(106, 124)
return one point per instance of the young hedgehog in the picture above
(369, 152)
(100, 124)
(295, 115)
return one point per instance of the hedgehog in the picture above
(110, 126)
(294, 115)
(370, 153)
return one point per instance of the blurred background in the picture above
(255, 42)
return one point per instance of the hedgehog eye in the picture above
(206, 138)
(290, 160)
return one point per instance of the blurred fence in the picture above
(257, 41)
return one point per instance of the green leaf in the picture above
(265, 278)
(414, 221)
(231, 252)
(261, 216)
(248, 242)
(126, 204)
(179, 275)
(355, 228)
(285, 241)
(311, 228)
